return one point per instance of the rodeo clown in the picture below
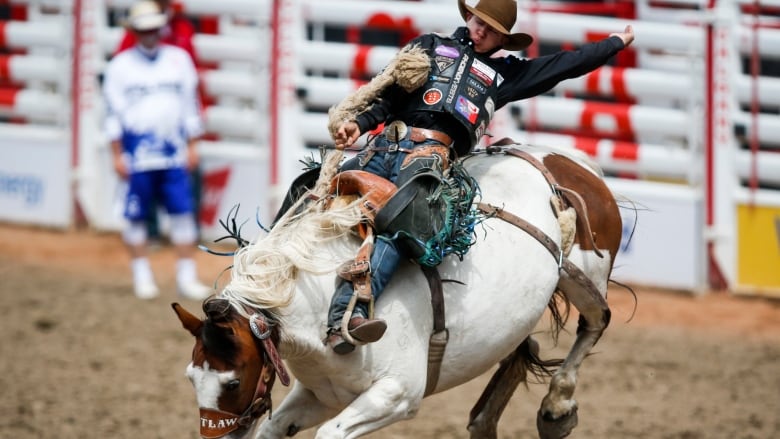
(153, 123)
(436, 99)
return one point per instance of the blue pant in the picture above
(385, 256)
(171, 187)
(384, 261)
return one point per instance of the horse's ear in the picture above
(188, 320)
(218, 310)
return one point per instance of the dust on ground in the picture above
(81, 357)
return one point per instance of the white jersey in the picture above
(152, 106)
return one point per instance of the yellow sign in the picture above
(758, 249)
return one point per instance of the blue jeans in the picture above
(384, 261)
(385, 256)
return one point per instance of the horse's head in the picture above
(233, 368)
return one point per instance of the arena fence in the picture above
(685, 124)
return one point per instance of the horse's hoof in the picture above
(550, 428)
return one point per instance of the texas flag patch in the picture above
(467, 109)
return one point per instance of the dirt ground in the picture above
(81, 357)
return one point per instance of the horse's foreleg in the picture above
(558, 413)
(299, 411)
(483, 420)
(387, 401)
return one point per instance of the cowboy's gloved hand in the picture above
(627, 35)
(347, 134)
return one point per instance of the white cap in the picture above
(146, 15)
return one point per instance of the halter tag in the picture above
(216, 423)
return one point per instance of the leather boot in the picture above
(361, 329)
(366, 330)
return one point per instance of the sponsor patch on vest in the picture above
(467, 109)
(443, 63)
(477, 85)
(432, 96)
(499, 80)
(439, 78)
(448, 51)
(483, 72)
(458, 77)
(473, 93)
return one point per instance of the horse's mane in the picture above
(264, 272)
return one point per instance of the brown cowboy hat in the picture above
(501, 16)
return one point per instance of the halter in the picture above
(218, 423)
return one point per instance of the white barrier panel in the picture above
(606, 118)
(240, 8)
(644, 84)
(324, 92)
(769, 89)
(426, 16)
(768, 41)
(342, 57)
(656, 161)
(210, 48)
(234, 122)
(667, 248)
(768, 127)
(27, 34)
(643, 160)
(35, 177)
(24, 68)
(550, 27)
(35, 105)
(767, 166)
(233, 83)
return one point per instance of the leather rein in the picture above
(217, 423)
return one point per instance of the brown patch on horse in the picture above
(188, 320)
(603, 214)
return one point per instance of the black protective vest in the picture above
(459, 84)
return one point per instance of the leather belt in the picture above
(422, 134)
(392, 148)
(397, 130)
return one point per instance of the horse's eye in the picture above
(232, 385)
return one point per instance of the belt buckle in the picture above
(393, 147)
(396, 131)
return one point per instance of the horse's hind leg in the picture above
(484, 416)
(558, 413)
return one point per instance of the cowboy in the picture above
(444, 118)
